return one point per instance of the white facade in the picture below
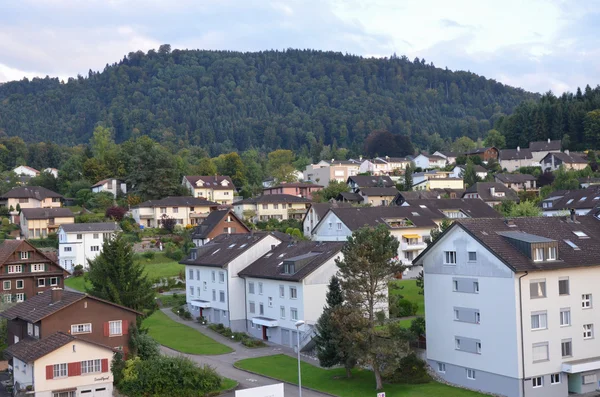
(113, 186)
(52, 171)
(27, 171)
(309, 222)
(425, 162)
(77, 248)
(458, 171)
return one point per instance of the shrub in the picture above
(406, 308)
(5, 222)
(148, 254)
(78, 271)
(250, 342)
(115, 213)
(411, 370)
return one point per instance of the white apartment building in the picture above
(314, 214)
(185, 211)
(510, 305)
(111, 185)
(427, 161)
(384, 165)
(287, 284)
(79, 243)
(24, 170)
(214, 289)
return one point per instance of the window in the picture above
(566, 347)
(540, 352)
(41, 282)
(472, 256)
(537, 381)
(588, 331)
(588, 379)
(60, 370)
(67, 249)
(565, 317)
(6, 285)
(213, 276)
(221, 296)
(214, 294)
(20, 297)
(454, 285)
(539, 320)
(339, 226)
(204, 285)
(538, 254)
(450, 258)
(555, 379)
(15, 269)
(537, 289)
(477, 317)
(442, 368)
(294, 313)
(20, 284)
(191, 290)
(221, 277)
(79, 236)
(552, 254)
(586, 301)
(24, 255)
(456, 314)
(275, 206)
(81, 328)
(115, 328)
(54, 281)
(38, 267)
(7, 298)
(252, 307)
(260, 288)
(282, 311)
(478, 347)
(261, 309)
(293, 293)
(175, 210)
(563, 286)
(90, 366)
(198, 291)
(457, 344)
(96, 236)
(251, 288)
(476, 286)
(265, 206)
(281, 291)
(95, 248)
(270, 300)
(163, 210)
(470, 374)
(191, 274)
(330, 225)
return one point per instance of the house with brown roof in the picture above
(517, 182)
(299, 189)
(112, 185)
(286, 284)
(72, 313)
(61, 364)
(377, 196)
(485, 153)
(31, 197)
(39, 222)
(454, 208)
(357, 182)
(217, 188)
(24, 170)
(530, 283)
(580, 201)
(217, 223)
(493, 193)
(571, 161)
(271, 206)
(185, 210)
(25, 271)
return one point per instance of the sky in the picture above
(538, 45)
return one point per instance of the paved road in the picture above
(224, 363)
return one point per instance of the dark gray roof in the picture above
(577, 199)
(46, 213)
(357, 217)
(350, 197)
(179, 201)
(322, 208)
(90, 227)
(379, 191)
(211, 221)
(35, 192)
(514, 178)
(514, 154)
(343, 162)
(224, 248)
(213, 182)
(473, 208)
(480, 150)
(477, 167)
(526, 237)
(483, 189)
(420, 194)
(568, 158)
(449, 154)
(293, 184)
(273, 198)
(371, 181)
(307, 255)
(545, 146)
(104, 181)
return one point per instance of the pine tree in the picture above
(408, 179)
(470, 176)
(115, 276)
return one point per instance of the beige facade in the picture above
(184, 215)
(440, 183)
(48, 202)
(323, 172)
(377, 200)
(219, 189)
(262, 212)
(40, 228)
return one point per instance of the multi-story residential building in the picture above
(298, 189)
(540, 149)
(357, 182)
(493, 193)
(217, 223)
(580, 201)
(26, 271)
(512, 159)
(31, 197)
(449, 156)
(510, 305)
(185, 210)
(428, 161)
(61, 365)
(73, 313)
(485, 153)
(377, 196)
(517, 182)
(39, 222)
(571, 161)
(79, 243)
(214, 289)
(314, 214)
(271, 206)
(384, 165)
(459, 171)
(111, 185)
(217, 188)
(454, 208)
(24, 170)
(287, 284)
(440, 183)
(325, 171)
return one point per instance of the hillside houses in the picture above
(518, 182)
(325, 171)
(218, 189)
(579, 202)
(185, 211)
(271, 206)
(493, 193)
(571, 161)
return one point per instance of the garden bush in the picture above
(78, 271)
(411, 370)
(148, 254)
(405, 308)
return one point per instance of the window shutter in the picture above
(49, 371)
(74, 369)
(105, 365)
(125, 326)
(5, 269)
(46, 267)
(28, 254)
(106, 329)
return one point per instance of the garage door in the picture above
(285, 337)
(95, 392)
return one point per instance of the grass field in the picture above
(77, 283)
(411, 292)
(180, 337)
(333, 381)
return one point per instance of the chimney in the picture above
(548, 140)
(493, 191)
(573, 215)
(387, 157)
(518, 148)
(56, 295)
(360, 157)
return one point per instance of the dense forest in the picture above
(225, 101)
(574, 118)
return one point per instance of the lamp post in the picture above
(299, 324)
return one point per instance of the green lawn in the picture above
(227, 384)
(333, 381)
(180, 337)
(411, 292)
(77, 283)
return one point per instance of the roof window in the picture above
(217, 250)
(422, 206)
(572, 245)
(268, 255)
(581, 234)
(232, 245)
(583, 198)
(416, 214)
(570, 201)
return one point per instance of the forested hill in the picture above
(296, 99)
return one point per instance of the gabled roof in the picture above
(515, 154)
(104, 181)
(212, 220)
(342, 162)
(35, 192)
(310, 254)
(30, 349)
(431, 156)
(179, 201)
(350, 197)
(41, 306)
(394, 159)
(213, 182)
(470, 207)
(514, 178)
(378, 191)
(273, 198)
(448, 154)
(483, 189)
(224, 248)
(371, 181)
(577, 199)
(46, 213)
(293, 184)
(28, 167)
(357, 217)
(568, 158)
(478, 168)
(480, 150)
(90, 227)
(545, 146)
(322, 208)
(8, 247)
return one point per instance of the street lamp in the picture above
(299, 324)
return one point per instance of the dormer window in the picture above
(551, 254)
(538, 254)
(25, 255)
(289, 268)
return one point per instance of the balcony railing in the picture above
(413, 246)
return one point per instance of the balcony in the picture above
(413, 246)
